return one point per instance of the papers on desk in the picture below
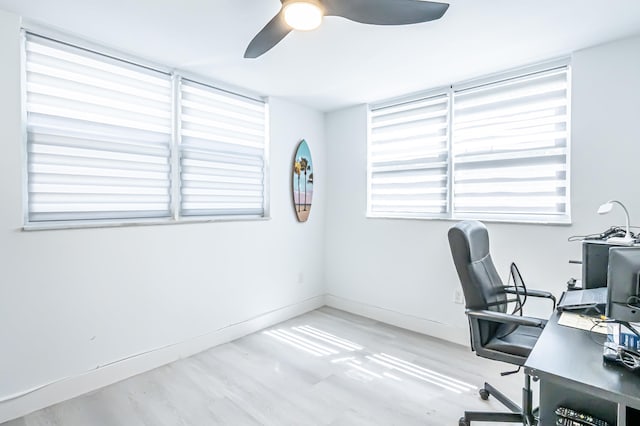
(583, 322)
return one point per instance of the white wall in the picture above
(400, 271)
(73, 300)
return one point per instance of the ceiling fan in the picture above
(307, 15)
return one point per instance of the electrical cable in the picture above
(602, 235)
(632, 305)
(596, 323)
(581, 237)
(628, 357)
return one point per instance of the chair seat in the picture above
(518, 340)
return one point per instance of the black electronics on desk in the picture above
(595, 262)
(584, 300)
(623, 301)
(592, 296)
(618, 269)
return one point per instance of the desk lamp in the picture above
(627, 240)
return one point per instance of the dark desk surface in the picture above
(571, 356)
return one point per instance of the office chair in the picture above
(495, 334)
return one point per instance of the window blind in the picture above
(98, 136)
(408, 158)
(222, 152)
(509, 147)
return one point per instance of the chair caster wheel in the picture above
(463, 422)
(484, 394)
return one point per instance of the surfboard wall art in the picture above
(302, 181)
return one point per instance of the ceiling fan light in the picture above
(303, 15)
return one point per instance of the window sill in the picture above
(522, 221)
(52, 226)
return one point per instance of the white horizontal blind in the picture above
(408, 158)
(222, 148)
(509, 147)
(98, 136)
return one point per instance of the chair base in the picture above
(523, 415)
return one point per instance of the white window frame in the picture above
(174, 156)
(422, 164)
(450, 90)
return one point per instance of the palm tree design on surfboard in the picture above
(302, 181)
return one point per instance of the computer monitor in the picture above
(623, 301)
(595, 261)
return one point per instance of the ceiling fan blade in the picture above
(386, 12)
(268, 37)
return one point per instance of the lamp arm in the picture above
(626, 217)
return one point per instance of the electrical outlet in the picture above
(458, 297)
(300, 278)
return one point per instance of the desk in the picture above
(573, 374)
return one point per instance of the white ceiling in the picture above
(343, 62)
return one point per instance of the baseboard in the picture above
(409, 322)
(68, 388)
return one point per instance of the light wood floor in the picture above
(326, 367)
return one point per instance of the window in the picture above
(500, 152)
(509, 148)
(408, 158)
(98, 136)
(102, 144)
(222, 152)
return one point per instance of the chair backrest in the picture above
(483, 289)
